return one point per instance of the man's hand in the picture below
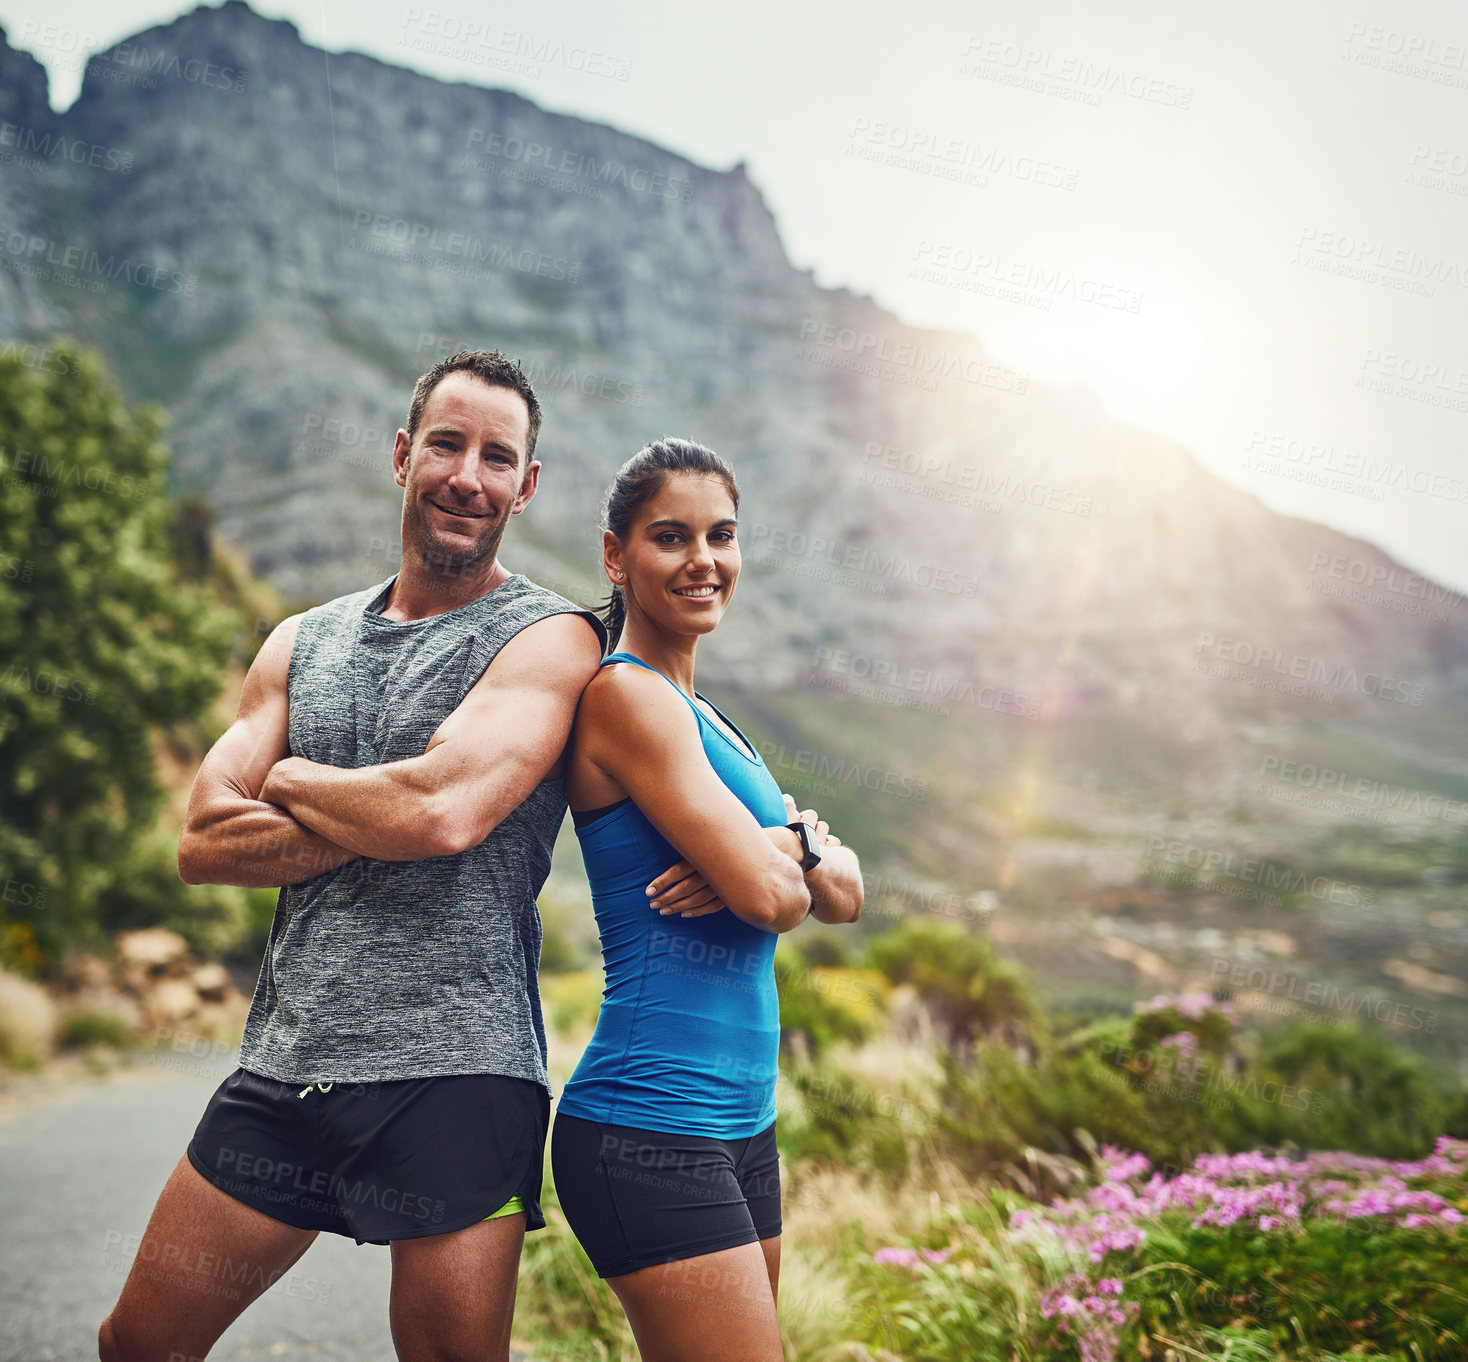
(275, 780)
(681, 889)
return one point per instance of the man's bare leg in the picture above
(203, 1258)
(453, 1295)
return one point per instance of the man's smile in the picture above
(457, 514)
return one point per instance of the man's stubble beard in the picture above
(436, 558)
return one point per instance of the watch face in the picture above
(806, 833)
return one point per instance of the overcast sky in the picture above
(1245, 229)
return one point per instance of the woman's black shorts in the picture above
(377, 1161)
(635, 1197)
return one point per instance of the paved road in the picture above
(78, 1176)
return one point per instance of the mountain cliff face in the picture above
(272, 242)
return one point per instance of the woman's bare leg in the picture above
(718, 1307)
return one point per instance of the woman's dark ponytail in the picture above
(614, 616)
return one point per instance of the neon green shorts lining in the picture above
(514, 1206)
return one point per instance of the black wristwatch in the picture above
(807, 835)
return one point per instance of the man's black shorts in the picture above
(636, 1198)
(377, 1161)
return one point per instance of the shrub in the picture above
(92, 1026)
(826, 1004)
(970, 992)
(27, 1022)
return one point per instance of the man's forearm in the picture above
(392, 812)
(257, 846)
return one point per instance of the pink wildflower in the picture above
(897, 1257)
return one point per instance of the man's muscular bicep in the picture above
(260, 734)
(230, 836)
(508, 733)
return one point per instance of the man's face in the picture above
(464, 473)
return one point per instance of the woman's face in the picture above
(680, 558)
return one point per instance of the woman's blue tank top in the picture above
(688, 1038)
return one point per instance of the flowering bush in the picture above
(1253, 1239)
(1091, 1312)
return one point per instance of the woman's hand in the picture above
(681, 889)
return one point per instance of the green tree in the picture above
(105, 644)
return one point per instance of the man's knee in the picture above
(115, 1343)
(109, 1349)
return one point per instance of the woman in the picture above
(664, 1142)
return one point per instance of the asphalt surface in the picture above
(79, 1173)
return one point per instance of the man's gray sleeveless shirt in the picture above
(384, 970)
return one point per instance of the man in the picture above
(396, 765)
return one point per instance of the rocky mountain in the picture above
(272, 242)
